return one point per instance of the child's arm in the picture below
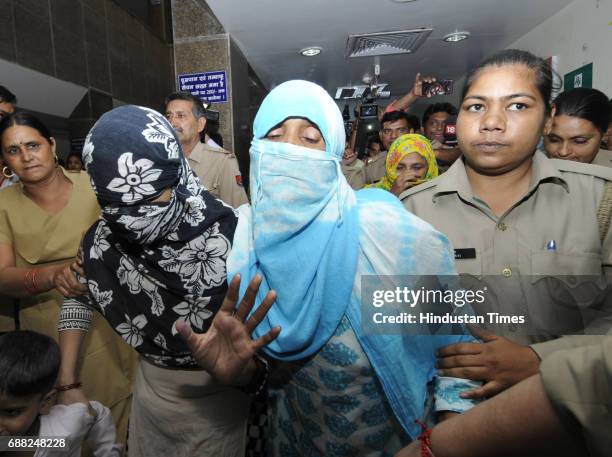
(102, 436)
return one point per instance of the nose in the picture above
(564, 150)
(493, 120)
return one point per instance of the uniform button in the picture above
(503, 227)
(571, 280)
(507, 272)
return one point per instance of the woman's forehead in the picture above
(501, 81)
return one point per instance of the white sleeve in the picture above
(102, 436)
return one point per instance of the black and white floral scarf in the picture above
(151, 265)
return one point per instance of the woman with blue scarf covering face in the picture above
(336, 389)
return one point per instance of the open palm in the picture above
(226, 350)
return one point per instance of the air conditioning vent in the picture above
(386, 43)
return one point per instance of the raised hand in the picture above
(417, 88)
(226, 350)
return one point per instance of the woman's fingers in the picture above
(246, 304)
(267, 338)
(261, 311)
(231, 297)
(77, 268)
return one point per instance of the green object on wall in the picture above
(581, 77)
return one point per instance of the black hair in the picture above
(589, 104)
(24, 118)
(374, 139)
(541, 68)
(29, 363)
(415, 122)
(74, 154)
(216, 137)
(6, 96)
(393, 116)
(198, 107)
(439, 108)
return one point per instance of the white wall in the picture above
(579, 34)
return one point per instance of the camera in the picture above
(368, 111)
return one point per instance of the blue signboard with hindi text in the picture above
(210, 86)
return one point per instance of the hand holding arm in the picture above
(497, 361)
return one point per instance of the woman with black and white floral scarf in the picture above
(155, 262)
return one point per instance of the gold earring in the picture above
(7, 175)
(56, 160)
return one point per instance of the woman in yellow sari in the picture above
(410, 161)
(42, 220)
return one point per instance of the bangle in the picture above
(425, 439)
(66, 387)
(30, 282)
(260, 379)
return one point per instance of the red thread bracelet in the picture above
(66, 387)
(425, 439)
(30, 282)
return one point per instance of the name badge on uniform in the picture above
(466, 253)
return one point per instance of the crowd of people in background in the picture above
(151, 306)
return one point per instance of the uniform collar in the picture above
(455, 180)
(196, 153)
(377, 157)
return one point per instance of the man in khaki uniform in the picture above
(217, 168)
(545, 245)
(375, 164)
(353, 169)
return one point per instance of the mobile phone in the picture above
(443, 87)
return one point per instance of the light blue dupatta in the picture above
(312, 238)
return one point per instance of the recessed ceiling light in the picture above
(456, 36)
(311, 51)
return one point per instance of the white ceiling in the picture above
(271, 32)
(40, 92)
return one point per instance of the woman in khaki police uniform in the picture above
(532, 222)
(42, 220)
(578, 121)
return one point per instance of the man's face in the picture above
(392, 131)
(6, 109)
(17, 414)
(180, 114)
(434, 127)
(374, 149)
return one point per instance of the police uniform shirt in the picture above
(603, 158)
(375, 167)
(355, 174)
(578, 383)
(559, 211)
(218, 170)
